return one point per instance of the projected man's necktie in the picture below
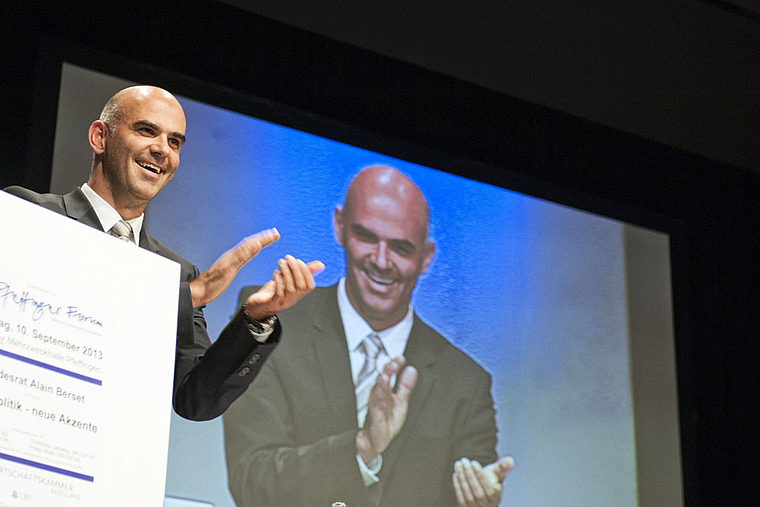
(123, 231)
(372, 348)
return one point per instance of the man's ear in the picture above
(338, 225)
(428, 258)
(97, 135)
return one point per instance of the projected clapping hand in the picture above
(386, 412)
(478, 486)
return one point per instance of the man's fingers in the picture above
(464, 486)
(254, 243)
(488, 487)
(503, 467)
(383, 384)
(458, 489)
(279, 284)
(308, 278)
(301, 276)
(475, 485)
(470, 473)
(264, 238)
(393, 366)
(287, 274)
(315, 267)
(267, 290)
(290, 282)
(249, 247)
(406, 382)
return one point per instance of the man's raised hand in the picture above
(290, 282)
(478, 486)
(212, 282)
(386, 411)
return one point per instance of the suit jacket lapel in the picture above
(79, 208)
(331, 351)
(422, 352)
(147, 242)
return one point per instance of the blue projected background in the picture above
(533, 291)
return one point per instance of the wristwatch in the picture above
(259, 326)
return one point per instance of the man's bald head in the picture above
(383, 227)
(384, 184)
(113, 110)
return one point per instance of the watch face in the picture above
(253, 327)
(259, 327)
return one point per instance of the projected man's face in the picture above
(383, 228)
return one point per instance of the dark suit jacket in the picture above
(291, 441)
(207, 378)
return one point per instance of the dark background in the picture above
(685, 75)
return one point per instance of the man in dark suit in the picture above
(311, 433)
(136, 144)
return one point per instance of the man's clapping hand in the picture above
(478, 486)
(290, 282)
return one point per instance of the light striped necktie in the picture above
(372, 347)
(123, 231)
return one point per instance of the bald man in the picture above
(308, 435)
(136, 144)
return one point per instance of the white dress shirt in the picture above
(109, 216)
(394, 343)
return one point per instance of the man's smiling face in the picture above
(142, 154)
(383, 229)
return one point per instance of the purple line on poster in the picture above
(50, 367)
(49, 468)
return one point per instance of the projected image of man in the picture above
(365, 403)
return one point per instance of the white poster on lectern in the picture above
(87, 344)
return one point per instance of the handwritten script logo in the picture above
(26, 302)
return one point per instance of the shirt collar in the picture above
(109, 216)
(356, 328)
